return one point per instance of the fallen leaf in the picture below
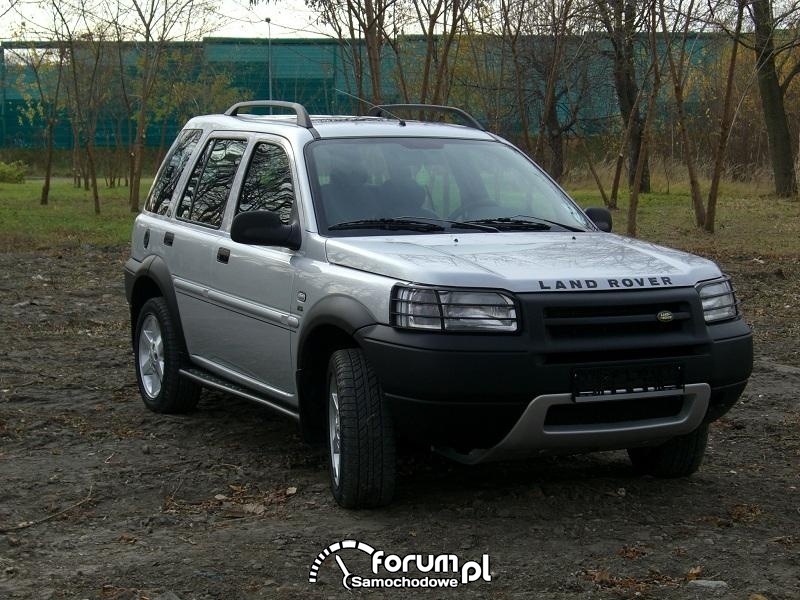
(632, 552)
(291, 491)
(600, 576)
(745, 513)
(694, 573)
(254, 509)
(220, 497)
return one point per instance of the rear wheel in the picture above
(678, 457)
(159, 358)
(361, 440)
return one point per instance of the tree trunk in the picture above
(627, 88)
(677, 89)
(726, 122)
(372, 38)
(587, 156)
(636, 188)
(780, 143)
(48, 165)
(519, 90)
(77, 170)
(555, 139)
(136, 167)
(92, 172)
(619, 163)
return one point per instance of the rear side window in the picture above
(207, 192)
(164, 185)
(268, 182)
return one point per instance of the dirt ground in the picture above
(100, 498)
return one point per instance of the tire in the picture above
(361, 443)
(159, 356)
(678, 457)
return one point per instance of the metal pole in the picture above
(269, 57)
(3, 95)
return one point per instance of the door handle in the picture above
(169, 237)
(223, 254)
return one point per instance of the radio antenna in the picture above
(400, 121)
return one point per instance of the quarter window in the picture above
(161, 193)
(268, 182)
(210, 183)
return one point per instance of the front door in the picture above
(252, 285)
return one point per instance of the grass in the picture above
(750, 220)
(68, 220)
(748, 224)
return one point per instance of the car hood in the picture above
(523, 262)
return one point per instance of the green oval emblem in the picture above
(665, 316)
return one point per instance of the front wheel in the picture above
(679, 457)
(158, 347)
(360, 433)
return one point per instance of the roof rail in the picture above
(386, 109)
(303, 120)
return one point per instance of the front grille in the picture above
(616, 320)
(582, 328)
(613, 411)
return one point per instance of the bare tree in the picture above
(440, 21)
(512, 15)
(682, 19)
(622, 20)
(655, 69)
(144, 28)
(83, 41)
(45, 103)
(725, 125)
(772, 90)
(10, 6)
(359, 19)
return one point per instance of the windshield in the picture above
(356, 182)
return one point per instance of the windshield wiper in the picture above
(453, 224)
(525, 222)
(509, 223)
(391, 224)
(541, 220)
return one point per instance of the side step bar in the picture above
(210, 380)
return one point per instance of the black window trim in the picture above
(213, 137)
(170, 152)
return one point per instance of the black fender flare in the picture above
(342, 312)
(348, 316)
(155, 269)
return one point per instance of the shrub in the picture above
(12, 172)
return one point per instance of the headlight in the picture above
(453, 310)
(719, 301)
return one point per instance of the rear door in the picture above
(194, 238)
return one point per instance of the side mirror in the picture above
(264, 228)
(601, 217)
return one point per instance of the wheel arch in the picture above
(330, 326)
(151, 279)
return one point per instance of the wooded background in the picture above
(575, 83)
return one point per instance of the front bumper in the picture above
(498, 392)
(532, 433)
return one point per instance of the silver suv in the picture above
(374, 277)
